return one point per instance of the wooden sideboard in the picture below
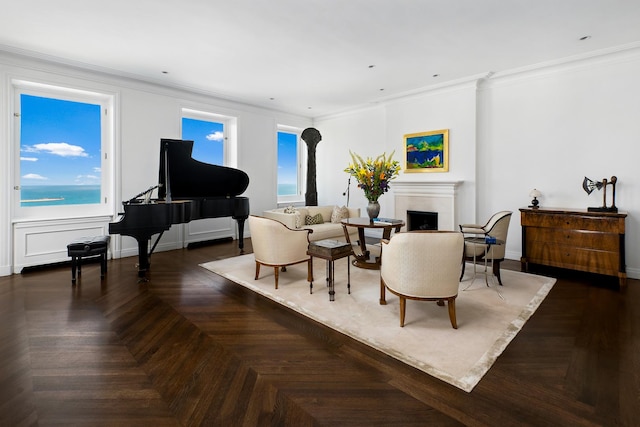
(574, 239)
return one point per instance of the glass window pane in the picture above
(60, 152)
(287, 164)
(208, 140)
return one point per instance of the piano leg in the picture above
(143, 259)
(241, 233)
(144, 255)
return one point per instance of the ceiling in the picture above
(314, 57)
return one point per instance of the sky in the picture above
(208, 140)
(287, 158)
(59, 142)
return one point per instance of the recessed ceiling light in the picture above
(585, 38)
(436, 75)
(372, 66)
(165, 72)
(381, 89)
(271, 99)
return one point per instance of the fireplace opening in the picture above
(419, 220)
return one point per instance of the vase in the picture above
(373, 209)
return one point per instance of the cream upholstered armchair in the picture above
(276, 245)
(474, 246)
(422, 265)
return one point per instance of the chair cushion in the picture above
(327, 230)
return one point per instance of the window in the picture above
(64, 137)
(208, 139)
(290, 161)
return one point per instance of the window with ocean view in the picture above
(63, 137)
(60, 146)
(289, 166)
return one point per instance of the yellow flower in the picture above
(373, 175)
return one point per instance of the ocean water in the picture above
(54, 195)
(287, 189)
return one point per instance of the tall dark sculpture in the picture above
(312, 137)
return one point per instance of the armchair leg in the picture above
(451, 304)
(383, 292)
(257, 270)
(276, 273)
(496, 270)
(403, 307)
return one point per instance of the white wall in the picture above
(362, 132)
(452, 108)
(379, 129)
(546, 128)
(551, 128)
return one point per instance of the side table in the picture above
(481, 241)
(362, 254)
(330, 250)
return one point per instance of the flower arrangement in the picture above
(373, 176)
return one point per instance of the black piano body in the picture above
(188, 190)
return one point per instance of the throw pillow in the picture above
(293, 211)
(339, 214)
(311, 220)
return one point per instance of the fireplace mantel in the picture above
(430, 196)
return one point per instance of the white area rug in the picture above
(486, 322)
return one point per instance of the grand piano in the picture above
(188, 190)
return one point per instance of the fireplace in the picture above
(427, 196)
(422, 220)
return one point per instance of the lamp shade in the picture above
(535, 193)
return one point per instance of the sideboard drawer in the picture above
(575, 238)
(590, 223)
(566, 256)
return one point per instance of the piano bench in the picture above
(88, 247)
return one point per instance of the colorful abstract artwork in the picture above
(427, 151)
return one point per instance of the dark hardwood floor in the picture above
(191, 348)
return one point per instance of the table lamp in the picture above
(589, 185)
(535, 194)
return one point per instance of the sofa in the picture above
(323, 220)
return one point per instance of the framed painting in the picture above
(427, 151)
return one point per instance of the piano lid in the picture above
(189, 178)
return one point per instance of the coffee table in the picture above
(361, 253)
(330, 250)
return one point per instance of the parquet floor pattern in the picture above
(189, 348)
